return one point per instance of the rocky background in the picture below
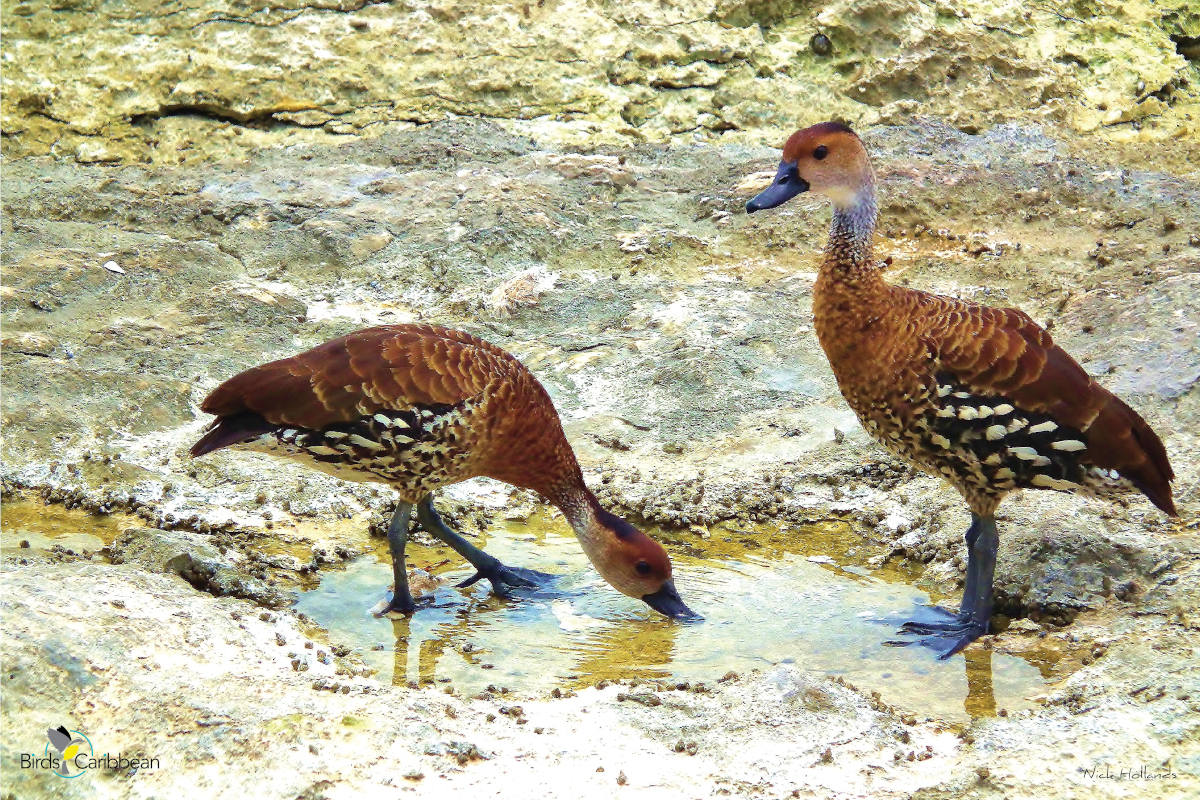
(193, 188)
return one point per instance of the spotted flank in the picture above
(418, 450)
(987, 446)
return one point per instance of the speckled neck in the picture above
(852, 233)
(578, 506)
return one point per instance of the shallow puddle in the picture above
(30, 524)
(768, 597)
(800, 595)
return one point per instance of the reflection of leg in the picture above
(485, 566)
(397, 537)
(980, 700)
(976, 608)
(401, 629)
(427, 658)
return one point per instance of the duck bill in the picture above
(787, 184)
(667, 601)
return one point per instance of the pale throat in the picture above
(576, 505)
(852, 232)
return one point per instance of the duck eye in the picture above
(643, 567)
(820, 152)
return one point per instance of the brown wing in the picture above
(1001, 351)
(388, 367)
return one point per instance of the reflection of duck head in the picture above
(635, 648)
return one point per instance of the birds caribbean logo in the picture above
(69, 744)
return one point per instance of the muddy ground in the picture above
(674, 335)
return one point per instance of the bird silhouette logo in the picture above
(69, 744)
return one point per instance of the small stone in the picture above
(621, 779)
(820, 44)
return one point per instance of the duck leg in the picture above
(500, 576)
(975, 611)
(397, 536)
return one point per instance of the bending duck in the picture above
(981, 396)
(420, 407)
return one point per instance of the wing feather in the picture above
(1003, 352)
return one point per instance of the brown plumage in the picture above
(981, 396)
(420, 407)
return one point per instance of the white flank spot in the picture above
(336, 434)
(1043, 427)
(1054, 483)
(943, 391)
(946, 412)
(993, 460)
(967, 412)
(1025, 453)
(382, 420)
(996, 432)
(1004, 473)
(1002, 409)
(1070, 445)
(963, 395)
(367, 443)
(985, 411)
(402, 439)
(940, 441)
(1017, 424)
(321, 450)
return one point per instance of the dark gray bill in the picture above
(667, 601)
(787, 184)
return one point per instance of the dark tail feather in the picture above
(234, 429)
(1154, 477)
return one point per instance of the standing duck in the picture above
(420, 407)
(981, 396)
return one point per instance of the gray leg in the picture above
(984, 551)
(975, 611)
(397, 536)
(485, 566)
(972, 584)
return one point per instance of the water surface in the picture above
(769, 596)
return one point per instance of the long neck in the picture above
(580, 507)
(852, 235)
(849, 288)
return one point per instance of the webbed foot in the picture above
(505, 578)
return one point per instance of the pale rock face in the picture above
(184, 81)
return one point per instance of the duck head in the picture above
(633, 563)
(827, 159)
